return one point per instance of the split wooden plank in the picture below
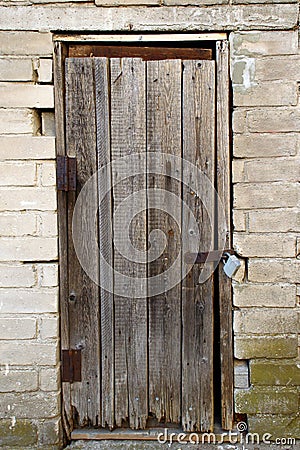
(102, 88)
(197, 298)
(224, 183)
(84, 311)
(128, 136)
(164, 136)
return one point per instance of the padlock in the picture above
(231, 265)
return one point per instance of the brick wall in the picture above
(266, 123)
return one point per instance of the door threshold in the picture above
(162, 435)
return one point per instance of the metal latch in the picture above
(231, 262)
(71, 365)
(66, 173)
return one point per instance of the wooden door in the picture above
(147, 345)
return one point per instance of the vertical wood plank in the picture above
(128, 135)
(224, 180)
(102, 87)
(164, 136)
(60, 53)
(84, 311)
(197, 299)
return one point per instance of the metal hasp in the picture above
(71, 365)
(202, 257)
(66, 173)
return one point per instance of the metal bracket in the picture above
(66, 173)
(202, 257)
(71, 365)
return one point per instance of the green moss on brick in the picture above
(266, 347)
(266, 401)
(275, 374)
(277, 426)
(20, 434)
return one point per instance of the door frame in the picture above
(222, 183)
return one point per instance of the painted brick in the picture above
(286, 373)
(25, 43)
(45, 71)
(48, 124)
(273, 120)
(48, 174)
(20, 328)
(15, 95)
(18, 174)
(49, 379)
(17, 276)
(266, 401)
(241, 374)
(16, 121)
(268, 295)
(28, 249)
(14, 224)
(278, 426)
(22, 431)
(48, 224)
(18, 380)
(47, 275)
(165, 18)
(28, 301)
(29, 405)
(18, 199)
(283, 220)
(16, 69)
(265, 145)
(277, 68)
(261, 170)
(266, 94)
(255, 43)
(274, 270)
(265, 321)
(40, 354)
(26, 147)
(264, 245)
(275, 347)
(48, 328)
(265, 196)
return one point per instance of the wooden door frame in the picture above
(223, 184)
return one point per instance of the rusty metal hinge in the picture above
(66, 173)
(71, 365)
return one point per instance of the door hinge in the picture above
(71, 365)
(66, 173)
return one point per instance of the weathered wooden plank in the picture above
(164, 136)
(146, 53)
(84, 311)
(197, 299)
(102, 87)
(128, 136)
(169, 37)
(224, 182)
(60, 52)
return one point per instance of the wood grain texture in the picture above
(102, 89)
(164, 136)
(60, 52)
(84, 311)
(224, 183)
(128, 136)
(197, 299)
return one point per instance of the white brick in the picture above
(17, 276)
(255, 43)
(13, 95)
(14, 224)
(26, 147)
(28, 301)
(18, 380)
(239, 220)
(48, 174)
(266, 94)
(17, 353)
(17, 174)
(21, 328)
(241, 374)
(277, 68)
(273, 120)
(49, 379)
(265, 245)
(282, 220)
(265, 196)
(16, 69)
(18, 199)
(261, 170)
(268, 295)
(30, 405)
(47, 275)
(265, 321)
(45, 70)
(28, 249)
(48, 124)
(274, 270)
(266, 145)
(25, 43)
(48, 224)
(48, 328)
(16, 121)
